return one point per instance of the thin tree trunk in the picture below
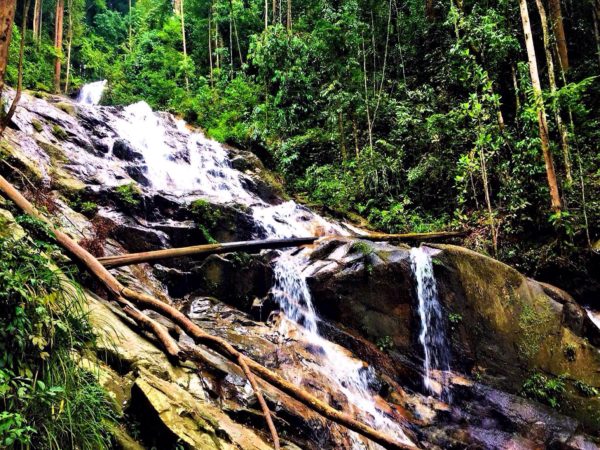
(235, 32)
(230, 45)
(562, 129)
(539, 105)
(559, 33)
(204, 250)
(274, 12)
(289, 15)
(210, 50)
(596, 15)
(367, 95)
(184, 44)
(58, 37)
(69, 44)
(7, 17)
(130, 29)
(13, 107)
(516, 88)
(266, 14)
(488, 200)
(385, 55)
(355, 135)
(37, 19)
(342, 138)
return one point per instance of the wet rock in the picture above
(125, 151)
(140, 239)
(139, 174)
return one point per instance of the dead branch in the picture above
(209, 249)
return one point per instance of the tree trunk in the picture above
(37, 19)
(596, 15)
(539, 105)
(7, 17)
(13, 106)
(210, 50)
(559, 33)
(266, 14)
(562, 129)
(58, 37)
(184, 44)
(274, 12)
(130, 29)
(209, 249)
(69, 44)
(289, 15)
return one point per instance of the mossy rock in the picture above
(511, 328)
(68, 108)
(8, 226)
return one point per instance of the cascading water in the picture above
(350, 376)
(91, 94)
(432, 336)
(186, 163)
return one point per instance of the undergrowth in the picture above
(47, 400)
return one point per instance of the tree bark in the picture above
(37, 19)
(289, 15)
(13, 106)
(596, 16)
(58, 38)
(184, 43)
(69, 44)
(559, 33)
(562, 129)
(7, 17)
(217, 344)
(540, 109)
(210, 249)
(412, 236)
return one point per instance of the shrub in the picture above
(130, 194)
(206, 217)
(48, 401)
(544, 389)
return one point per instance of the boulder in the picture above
(125, 151)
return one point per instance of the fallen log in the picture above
(412, 236)
(208, 249)
(218, 344)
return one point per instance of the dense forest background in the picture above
(408, 114)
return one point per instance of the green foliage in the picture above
(385, 344)
(48, 401)
(37, 125)
(361, 247)
(455, 319)
(207, 217)
(545, 389)
(129, 194)
(59, 132)
(570, 352)
(585, 389)
(395, 117)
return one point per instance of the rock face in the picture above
(503, 328)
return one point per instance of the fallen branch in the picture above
(209, 249)
(218, 344)
(412, 236)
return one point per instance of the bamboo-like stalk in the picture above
(208, 249)
(218, 344)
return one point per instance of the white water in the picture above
(594, 317)
(348, 375)
(91, 94)
(184, 162)
(436, 361)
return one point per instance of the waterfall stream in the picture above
(180, 161)
(436, 352)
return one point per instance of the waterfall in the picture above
(91, 94)
(181, 161)
(436, 361)
(348, 375)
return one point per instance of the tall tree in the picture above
(13, 107)
(562, 129)
(37, 19)
(289, 15)
(540, 109)
(7, 17)
(58, 38)
(559, 33)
